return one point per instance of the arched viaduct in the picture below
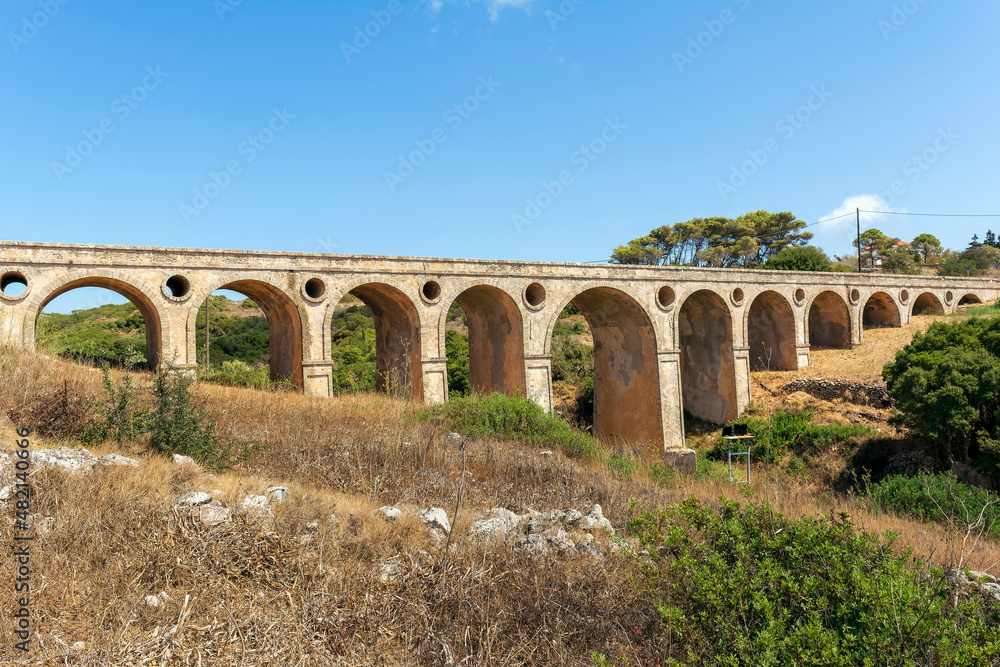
(666, 339)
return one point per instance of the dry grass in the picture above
(279, 594)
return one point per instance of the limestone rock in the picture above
(256, 507)
(546, 453)
(73, 461)
(389, 513)
(595, 520)
(453, 437)
(214, 513)
(6, 492)
(181, 460)
(193, 499)
(277, 493)
(499, 525)
(436, 520)
(533, 545)
(117, 460)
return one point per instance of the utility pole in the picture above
(857, 212)
(208, 302)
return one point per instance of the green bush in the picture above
(457, 351)
(120, 412)
(241, 374)
(744, 585)
(179, 424)
(791, 432)
(515, 418)
(941, 498)
(946, 385)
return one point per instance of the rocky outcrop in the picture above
(563, 532)
(853, 392)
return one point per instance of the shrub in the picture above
(791, 431)
(799, 258)
(241, 374)
(940, 498)
(515, 418)
(180, 425)
(122, 416)
(58, 414)
(457, 351)
(743, 585)
(946, 385)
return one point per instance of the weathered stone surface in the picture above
(73, 461)
(256, 507)
(660, 333)
(436, 520)
(684, 460)
(214, 513)
(594, 519)
(193, 499)
(389, 513)
(453, 437)
(277, 494)
(117, 460)
(855, 392)
(181, 460)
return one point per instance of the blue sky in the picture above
(513, 129)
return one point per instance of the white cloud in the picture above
(845, 222)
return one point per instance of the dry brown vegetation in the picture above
(249, 593)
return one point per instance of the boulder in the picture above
(117, 460)
(277, 493)
(389, 513)
(436, 520)
(193, 499)
(498, 526)
(181, 460)
(453, 437)
(214, 514)
(594, 519)
(256, 507)
(73, 461)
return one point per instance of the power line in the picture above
(938, 215)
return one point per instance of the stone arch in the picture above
(829, 321)
(398, 352)
(880, 311)
(770, 332)
(140, 296)
(496, 340)
(927, 304)
(708, 367)
(284, 324)
(626, 374)
(969, 298)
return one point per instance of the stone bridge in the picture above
(666, 339)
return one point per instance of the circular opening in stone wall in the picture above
(949, 297)
(534, 294)
(904, 296)
(315, 288)
(737, 296)
(855, 295)
(13, 283)
(665, 297)
(431, 291)
(800, 295)
(179, 286)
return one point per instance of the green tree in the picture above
(748, 240)
(457, 351)
(800, 258)
(898, 259)
(873, 241)
(972, 262)
(946, 385)
(926, 245)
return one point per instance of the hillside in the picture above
(329, 578)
